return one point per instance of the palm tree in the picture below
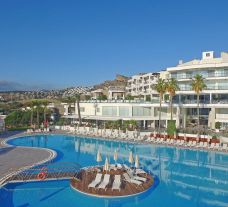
(198, 85)
(30, 104)
(72, 100)
(160, 87)
(78, 97)
(37, 105)
(45, 103)
(172, 87)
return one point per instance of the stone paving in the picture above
(14, 158)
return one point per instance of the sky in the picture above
(63, 43)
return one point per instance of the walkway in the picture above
(14, 158)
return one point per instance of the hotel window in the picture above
(82, 109)
(141, 111)
(163, 111)
(98, 110)
(124, 111)
(109, 110)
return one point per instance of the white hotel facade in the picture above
(213, 100)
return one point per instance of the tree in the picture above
(30, 104)
(172, 87)
(73, 100)
(37, 105)
(160, 87)
(198, 85)
(78, 97)
(45, 102)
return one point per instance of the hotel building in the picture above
(213, 100)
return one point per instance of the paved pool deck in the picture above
(13, 159)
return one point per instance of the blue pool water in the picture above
(184, 177)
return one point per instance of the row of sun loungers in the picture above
(102, 184)
(179, 142)
(135, 136)
(37, 130)
(130, 176)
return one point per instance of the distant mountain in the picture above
(119, 81)
(10, 86)
(14, 86)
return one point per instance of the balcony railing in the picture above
(188, 88)
(194, 102)
(206, 75)
(221, 116)
(219, 101)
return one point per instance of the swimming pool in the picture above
(185, 177)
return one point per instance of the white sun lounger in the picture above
(95, 182)
(135, 177)
(182, 142)
(168, 141)
(201, 144)
(157, 140)
(194, 144)
(171, 141)
(216, 146)
(212, 146)
(130, 180)
(224, 147)
(189, 144)
(162, 140)
(105, 182)
(205, 145)
(178, 142)
(116, 183)
(140, 171)
(126, 167)
(119, 166)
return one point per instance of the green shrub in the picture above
(148, 98)
(18, 128)
(129, 97)
(166, 97)
(87, 97)
(102, 97)
(214, 137)
(171, 128)
(217, 125)
(130, 124)
(60, 122)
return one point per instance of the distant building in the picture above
(142, 84)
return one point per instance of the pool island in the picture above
(118, 181)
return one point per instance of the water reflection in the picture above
(194, 175)
(189, 177)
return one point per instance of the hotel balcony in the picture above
(205, 75)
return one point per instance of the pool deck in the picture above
(14, 159)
